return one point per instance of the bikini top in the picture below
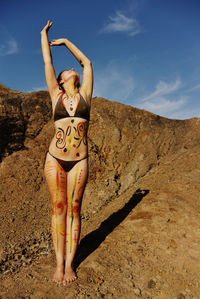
(82, 109)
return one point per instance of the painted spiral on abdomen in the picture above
(60, 136)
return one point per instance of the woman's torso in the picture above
(71, 124)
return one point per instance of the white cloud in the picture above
(163, 106)
(185, 113)
(159, 102)
(38, 88)
(121, 23)
(194, 88)
(163, 88)
(114, 82)
(8, 44)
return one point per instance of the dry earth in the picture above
(140, 232)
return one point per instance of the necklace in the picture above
(71, 94)
(70, 103)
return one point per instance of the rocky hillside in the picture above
(140, 214)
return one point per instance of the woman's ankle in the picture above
(60, 264)
(69, 264)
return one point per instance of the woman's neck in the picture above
(69, 88)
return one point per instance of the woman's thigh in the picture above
(76, 181)
(56, 180)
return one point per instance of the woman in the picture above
(66, 165)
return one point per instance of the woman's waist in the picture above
(68, 152)
(69, 138)
(77, 123)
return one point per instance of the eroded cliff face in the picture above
(129, 149)
(22, 117)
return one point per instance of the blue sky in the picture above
(145, 53)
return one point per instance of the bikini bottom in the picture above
(67, 165)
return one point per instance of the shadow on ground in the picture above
(93, 240)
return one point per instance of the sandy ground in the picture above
(146, 246)
(140, 233)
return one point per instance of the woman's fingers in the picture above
(48, 25)
(55, 42)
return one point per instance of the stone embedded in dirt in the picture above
(180, 296)
(137, 291)
(151, 284)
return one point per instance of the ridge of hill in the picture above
(140, 213)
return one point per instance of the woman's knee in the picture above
(59, 208)
(75, 209)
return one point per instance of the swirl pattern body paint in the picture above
(73, 137)
(60, 136)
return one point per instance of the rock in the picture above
(181, 296)
(151, 284)
(137, 292)
(99, 280)
(140, 210)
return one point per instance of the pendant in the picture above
(71, 104)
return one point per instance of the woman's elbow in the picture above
(89, 62)
(86, 62)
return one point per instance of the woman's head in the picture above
(66, 75)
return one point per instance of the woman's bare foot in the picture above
(59, 274)
(70, 275)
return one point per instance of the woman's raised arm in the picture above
(50, 75)
(87, 82)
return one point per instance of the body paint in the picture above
(76, 233)
(57, 193)
(72, 214)
(58, 206)
(62, 229)
(67, 143)
(66, 239)
(79, 178)
(60, 136)
(75, 239)
(80, 190)
(71, 104)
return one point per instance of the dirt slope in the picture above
(140, 214)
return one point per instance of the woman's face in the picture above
(68, 74)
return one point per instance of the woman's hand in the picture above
(47, 27)
(57, 42)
